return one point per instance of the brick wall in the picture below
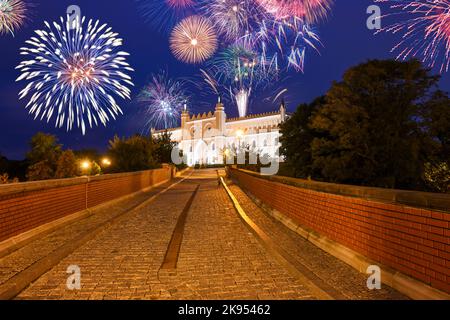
(25, 206)
(414, 241)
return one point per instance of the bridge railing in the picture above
(403, 230)
(25, 206)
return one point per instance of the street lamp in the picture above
(106, 162)
(85, 166)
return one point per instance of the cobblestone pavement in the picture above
(219, 258)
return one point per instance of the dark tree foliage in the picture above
(297, 137)
(43, 156)
(44, 147)
(380, 126)
(132, 154)
(3, 164)
(163, 146)
(90, 154)
(67, 166)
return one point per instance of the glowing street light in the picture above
(85, 165)
(106, 162)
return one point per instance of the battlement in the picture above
(254, 116)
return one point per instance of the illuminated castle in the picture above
(205, 138)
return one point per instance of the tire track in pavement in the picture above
(173, 249)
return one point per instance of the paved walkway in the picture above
(219, 257)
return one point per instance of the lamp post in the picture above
(106, 162)
(85, 166)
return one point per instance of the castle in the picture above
(204, 139)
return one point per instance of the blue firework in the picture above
(74, 74)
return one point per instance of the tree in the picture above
(436, 122)
(370, 127)
(4, 178)
(163, 146)
(45, 151)
(91, 154)
(66, 166)
(132, 154)
(3, 164)
(376, 127)
(40, 171)
(296, 138)
(95, 169)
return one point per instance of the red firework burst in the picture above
(310, 10)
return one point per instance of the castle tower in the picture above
(184, 120)
(220, 117)
(283, 111)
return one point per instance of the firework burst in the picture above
(233, 18)
(164, 14)
(312, 11)
(241, 69)
(12, 15)
(289, 39)
(163, 100)
(74, 74)
(193, 40)
(425, 31)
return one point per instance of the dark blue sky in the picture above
(346, 40)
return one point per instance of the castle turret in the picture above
(185, 117)
(220, 117)
(283, 111)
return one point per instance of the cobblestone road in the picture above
(219, 258)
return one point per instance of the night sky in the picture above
(346, 41)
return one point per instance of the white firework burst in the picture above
(74, 74)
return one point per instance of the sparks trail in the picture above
(424, 28)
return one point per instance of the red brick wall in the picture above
(411, 240)
(27, 206)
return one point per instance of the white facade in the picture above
(204, 139)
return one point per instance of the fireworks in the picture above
(193, 40)
(74, 73)
(180, 4)
(233, 18)
(12, 15)
(163, 14)
(425, 31)
(163, 100)
(241, 69)
(312, 11)
(288, 39)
